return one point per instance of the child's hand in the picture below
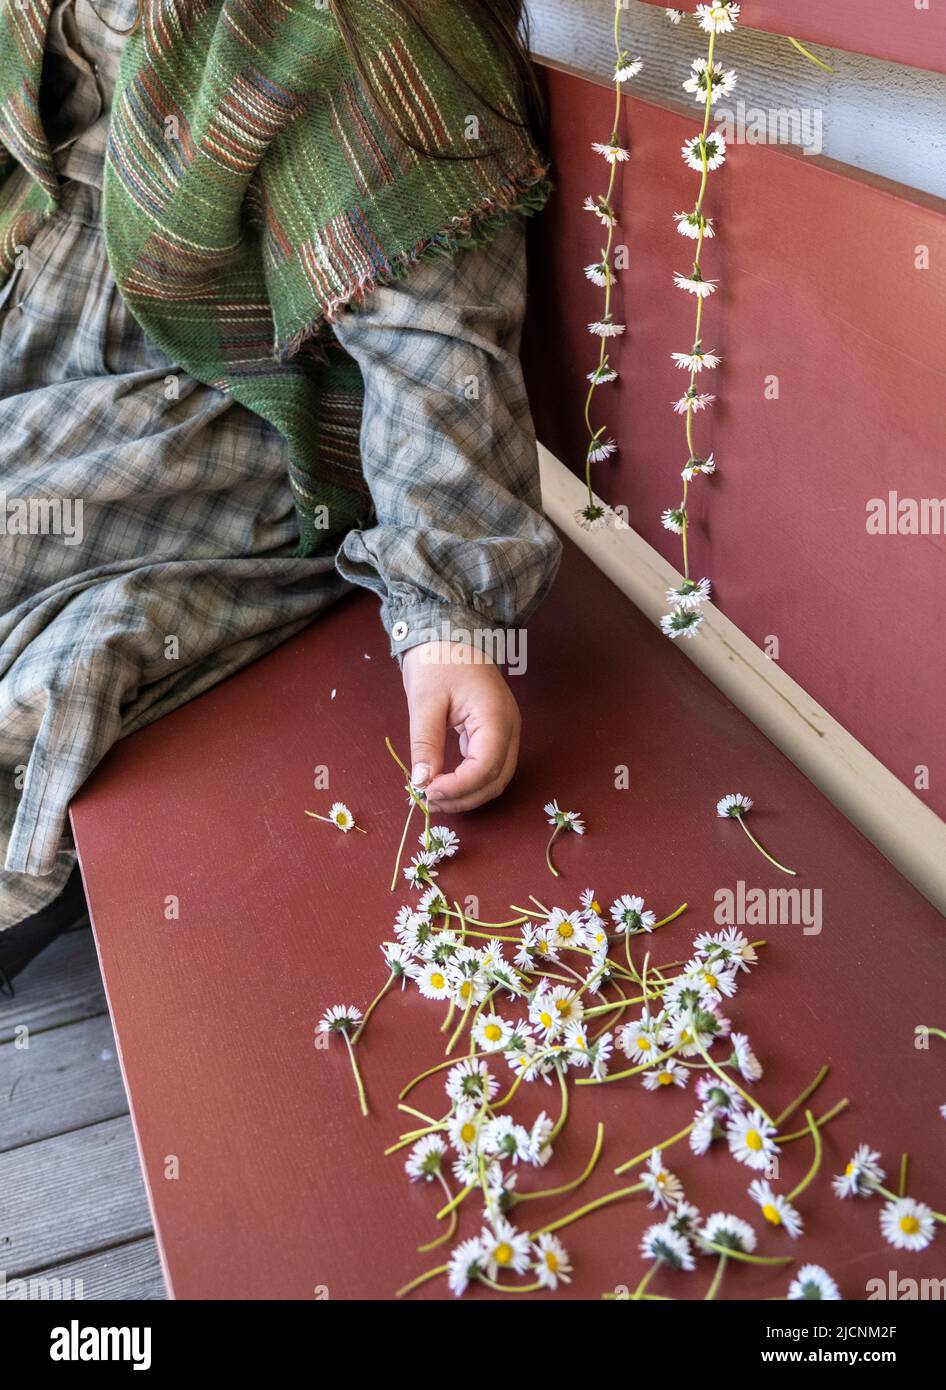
(453, 684)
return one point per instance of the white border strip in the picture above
(902, 827)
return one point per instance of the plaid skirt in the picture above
(146, 533)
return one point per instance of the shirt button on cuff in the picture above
(399, 631)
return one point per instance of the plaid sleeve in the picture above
(460, 545)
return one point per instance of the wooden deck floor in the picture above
(72, 1202)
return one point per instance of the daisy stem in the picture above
(448, 1016)
(563, 1113)
(460, 1027)
(362, 1099)
(568, 1186)
(431, 1071)
(714, 1067)
(904, 1167)
(400, 848)
(667, 1143)
(421, 1279)
(936, 1032)
(587, 1209)
(498, 926)
(411, 1137)
(673, 916)
(764, 852)
(428, 1119)
(713, 1289)
(509, 1288)
(641, 1289)
(373, 1005)
(632, 1071)
(801, 1133)
(548, 851)
(451, 1231)
(539, 904)
(806, 1094)
(457, 1201)
(622, 1003)
(747, 1259)
(812, 1173)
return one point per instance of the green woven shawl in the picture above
(251, 189)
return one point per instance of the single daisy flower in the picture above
(695, 284)
(599, 274)
(697, 465)
(694, 401)
(602, 374)
(729, 1231)
(719, 82)
(342, 1020)
(602, 209)
(682, 622)
(560, 820)
(696, 361)
(613, 153)
(744, 1059)
(693, 224)
(662, 1243)
(339, 816)
(674, 15)
(674, 519)
(665, 1188)
(669, 1073)
(712, 148)
(593, 516)
(813, 1282)
(603, 449)
(441, 842)
(606, 328)
(550, 1262)
(627, 67)
(906, 1224)
(735, 806)
(434, 981)
(629, 915)
(565, 929)
(491, 1033)
(718, 18)
(777, 1210)
(465, 1265)
(690, 594)
(505, 1247)
(751, 1139)
(425, 1158)
(862, 1174)
(421, 870)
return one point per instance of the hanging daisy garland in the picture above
(595, 514)
(704, 153)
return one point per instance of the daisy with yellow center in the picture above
(339, 816)
(751, 1140)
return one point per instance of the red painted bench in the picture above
(282, 1190)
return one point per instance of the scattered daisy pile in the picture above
(554, 997)
(559, 997)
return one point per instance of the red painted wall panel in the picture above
(892, 29)
(819, 288)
